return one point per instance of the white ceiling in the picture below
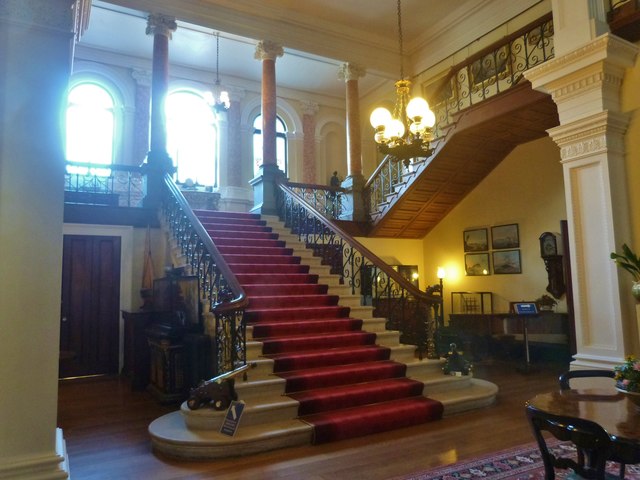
(317, 35)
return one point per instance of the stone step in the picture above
(170, 437)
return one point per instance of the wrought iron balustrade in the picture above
(112, 185)
(493, 70)
(218, 285)
(406, 308)
(327, 200)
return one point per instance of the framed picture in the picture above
(505, 236)
(506, 261)
(476, 240)
(476, 264)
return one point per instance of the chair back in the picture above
(592, 442)
(566, 377)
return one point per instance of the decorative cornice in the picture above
(603, 132)
(57, 14)
(610, 49)
(308, 107)
(351, 71)
(158, 24)
(268, 50)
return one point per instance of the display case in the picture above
(471, 303)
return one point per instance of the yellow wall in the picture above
(526, 188)
(630, 99)
(401, 252)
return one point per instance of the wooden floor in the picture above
(105, 427)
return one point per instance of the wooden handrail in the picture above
(313, 186)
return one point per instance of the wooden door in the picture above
(89, 326)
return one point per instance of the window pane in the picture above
(192, 137)
(281, 144)
(90, 125)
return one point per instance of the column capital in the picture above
(158, 24)
(600, 133)
(236, 94)
(308, 107)
(142, 77)
(268, 50)
(351, 71)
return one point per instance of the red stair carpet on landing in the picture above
(346, 384)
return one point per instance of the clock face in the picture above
(549, 245)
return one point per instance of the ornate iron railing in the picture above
(327, 200)
(493, 70)
(219, 287)
(478, 78)
(406, 308)
(387, 177)
(112, 185)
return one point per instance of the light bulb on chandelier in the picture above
(407, 132)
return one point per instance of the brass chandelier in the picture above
(408, 131)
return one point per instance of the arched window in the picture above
(91, 126)
(192, 138)
(281, 145)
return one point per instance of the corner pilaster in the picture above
(585, 85)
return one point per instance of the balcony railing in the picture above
(109, 185)
(327, 200)
(494, 70)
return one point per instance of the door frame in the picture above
(126, 235)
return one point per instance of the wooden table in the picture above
(610, 409)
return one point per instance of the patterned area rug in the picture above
(518, 463)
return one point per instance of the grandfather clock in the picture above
(551, 253)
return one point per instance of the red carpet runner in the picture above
(347, 385)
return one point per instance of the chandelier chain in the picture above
(217, 58)
(400, 41)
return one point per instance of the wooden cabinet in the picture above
(136, 348)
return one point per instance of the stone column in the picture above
(264, 186)
(354, 207)
(585, 84)
(234, 139)
(309, 111)
(37, 54)
(142, 117)
(158, 160)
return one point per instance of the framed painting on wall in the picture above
(505, 236)
(476, 240)
(476, 264)
(506, 262)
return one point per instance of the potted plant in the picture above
(631, 263)
(627, 377)
(546, 302)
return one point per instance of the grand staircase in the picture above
(326, 369)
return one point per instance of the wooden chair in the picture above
(564, 381)
(566, 377)
(592, 441)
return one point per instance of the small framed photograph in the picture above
(476, 240)
(476, 264)
(506, 262)
(505, 236)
